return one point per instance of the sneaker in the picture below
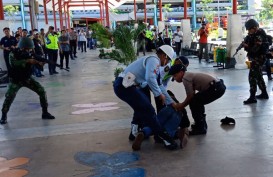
(250, 101)
(55, 72)
(134, 132)
(262, 96)
(67, 68)
(47, 115)
(138, 141)
(168, 141)
(158, 139)
(270, 78)
(3, 119)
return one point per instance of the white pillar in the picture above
(161, 26)
(186, 29)
(234, 39)
(33, 14)
(3, 24)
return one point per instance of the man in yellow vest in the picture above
(52, 49)
(149, 37)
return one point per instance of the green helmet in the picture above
(251, 23)
(26, 42)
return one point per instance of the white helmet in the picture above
(168, 50)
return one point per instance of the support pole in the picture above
(107, 13)
(30, 14)
(101, 13)
(234, 7)
(145, 12)
(54, 15)
(68, 17)
(185, 9)
(65, 19)
(2, 17)
(45, 12)
(160, 10)
(135, 10)
(60, 14)
(22, 13)
(194, 14)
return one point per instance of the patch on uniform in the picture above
(166, 69)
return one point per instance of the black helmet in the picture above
(251, 23)
(26, 42)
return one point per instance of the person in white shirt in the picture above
(82, 40)
(178, 38)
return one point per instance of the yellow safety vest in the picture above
(52, 42)
(149, 34)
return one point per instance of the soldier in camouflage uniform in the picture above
(21, 63)
(256, 46)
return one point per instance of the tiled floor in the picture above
(90, 118)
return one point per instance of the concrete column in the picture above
(186, 29)
(161, 26)
(234, 39)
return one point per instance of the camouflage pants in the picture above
(255, 76)
(14, 87)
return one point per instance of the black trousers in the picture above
(177, 48)
(200, 99)
(64, 55)
(73, 48)
(52, 57)
(83, 45)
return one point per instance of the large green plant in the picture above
(102, 34)
(124, 53)
(11, 11)
(266, 13)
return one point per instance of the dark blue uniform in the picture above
(8, 42)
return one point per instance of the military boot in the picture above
(263, 95)
(3, 119)
(251, 99)
(47, 115)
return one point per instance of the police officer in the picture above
(256, 46)
(201, 89)
(52, 47)
(20, 76)
(7, 43)
(145, 70)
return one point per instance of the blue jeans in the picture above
(144, 112)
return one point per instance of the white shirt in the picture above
(82, 36)
(178, 37)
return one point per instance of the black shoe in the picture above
(250, 101)
(75, 56)
(168, 141)
(131, 137)
(67, 68)
(134, 131)
(196, 131)
(270, 78)
(47, 115)
(55, 72)
(138, 141)
(61, 68)
(262, 96)
(3, 119)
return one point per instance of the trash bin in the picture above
(221, 55)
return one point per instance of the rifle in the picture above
(246, 40)
(41, 59)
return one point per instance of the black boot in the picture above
(263, 95)
(251, 99)
(47, 115)
(199, 128)
(3, 119)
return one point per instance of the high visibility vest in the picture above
(52, 42)
(149, 34)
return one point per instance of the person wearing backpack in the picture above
(256, 44)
